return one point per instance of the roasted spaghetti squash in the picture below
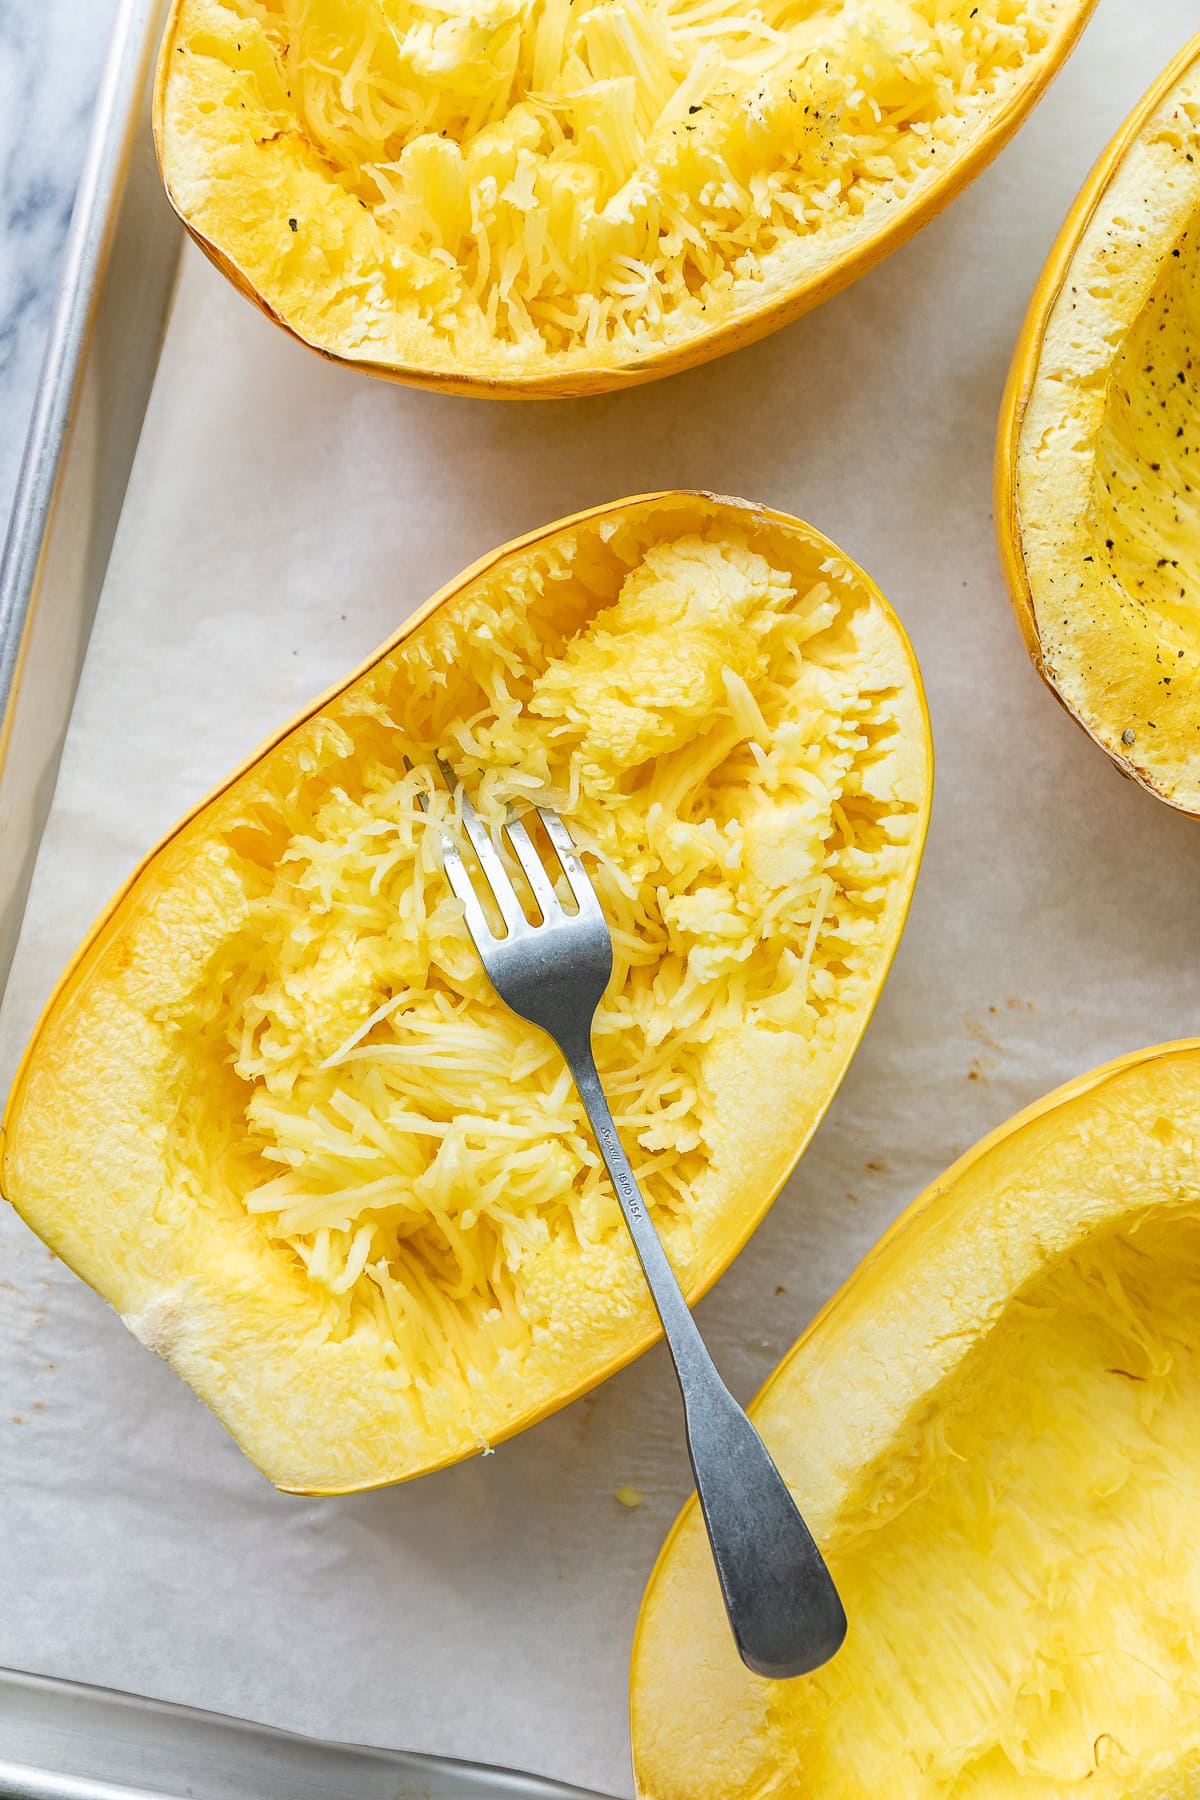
(541, 197)
(1098, 468)
(275, 1113)
(992, 1431)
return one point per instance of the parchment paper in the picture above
(284, 517)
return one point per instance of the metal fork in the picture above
(783, 1608)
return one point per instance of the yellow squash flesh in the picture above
(993, 1431)
(1098, 466)
(275, 1113)
(526, 197)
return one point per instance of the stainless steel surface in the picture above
(119, 269)
(62, 1741)
(783, 1608)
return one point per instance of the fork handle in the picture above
(783, 1608)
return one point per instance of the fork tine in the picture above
(525, 851)
(577, 876)
(464, 889)
(461, 885)
(494, 872)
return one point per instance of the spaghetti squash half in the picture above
(276, 1114)
(561, 196)
(992, 1431)
(1098, 463)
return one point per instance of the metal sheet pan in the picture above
(62, 1741)
(109, 320)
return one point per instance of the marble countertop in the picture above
(51, 55)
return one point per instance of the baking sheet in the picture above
(284, 516)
